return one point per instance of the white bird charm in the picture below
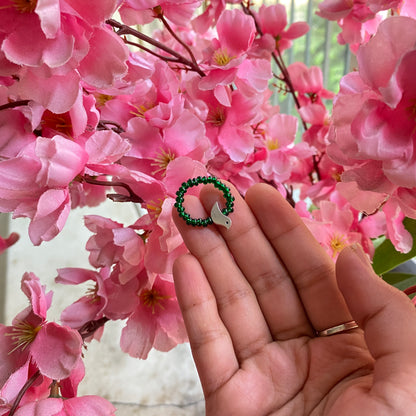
(219, 218)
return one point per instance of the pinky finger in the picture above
(386, 315)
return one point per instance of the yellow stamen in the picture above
(221, 57)
(162, 160)
(58, 122)
(24, 6)
(152, 299)
(216, 116)
(141, 109)
(101, 99)
(154, 208)
(272, 144)
(91, 293)
(22, 334)
(337, 243)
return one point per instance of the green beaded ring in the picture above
(218, 216)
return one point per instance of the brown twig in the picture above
(286, 79)
(22, 391)
(14, 104)
(90, 327)
(176, 37)
(102, 125)
(132, 197)
(127, 30)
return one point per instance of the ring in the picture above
(218, 216)
(337, 329)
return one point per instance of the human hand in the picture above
(253, 298)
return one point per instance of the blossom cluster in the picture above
(92, 108)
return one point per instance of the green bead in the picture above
(202, 222)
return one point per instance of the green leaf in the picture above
(400, 280)
(386, 257)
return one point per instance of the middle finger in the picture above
(261, 266)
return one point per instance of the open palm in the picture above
(253, 298)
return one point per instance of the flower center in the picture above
(162, 160)
(22, 334)
(337, 243)
(91, 294)
(221, 57)
(411, 109)
(25, 6)
(216, 117)
(141, 109)
(154, 208)
(152, 299)
(272, 144)
(58, 122)
(101, 99)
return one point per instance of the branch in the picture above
(90, 327)
(279, 62)
(175, 36)
(102, 125)
(22, 391)
(132, 197)
(127, 30)
(13, 104)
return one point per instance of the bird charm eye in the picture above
(219, 218)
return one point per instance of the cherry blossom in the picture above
(358, 20)
(54, 349)
(273, 21)
(376, 133)
(157, 316)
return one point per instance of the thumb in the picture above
(386, 315)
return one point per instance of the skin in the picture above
(253, 297)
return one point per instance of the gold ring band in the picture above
(337, 329)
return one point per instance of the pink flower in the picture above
(41, 194)
(11, 388)
(15, 131)
(236, 32)
(373, 130)
(396, 232)
(333, 227)
(157, 318)
(164, 137)
(229, 126)
(308, 83)
(5, 243)
(273, 21)
(209, 17)
(114, 244)
(76, 406)
(67, 40)
(141, 12)
(76, 124)
(358, 20)
(279, 154)
(90, 307)
(54, 349)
